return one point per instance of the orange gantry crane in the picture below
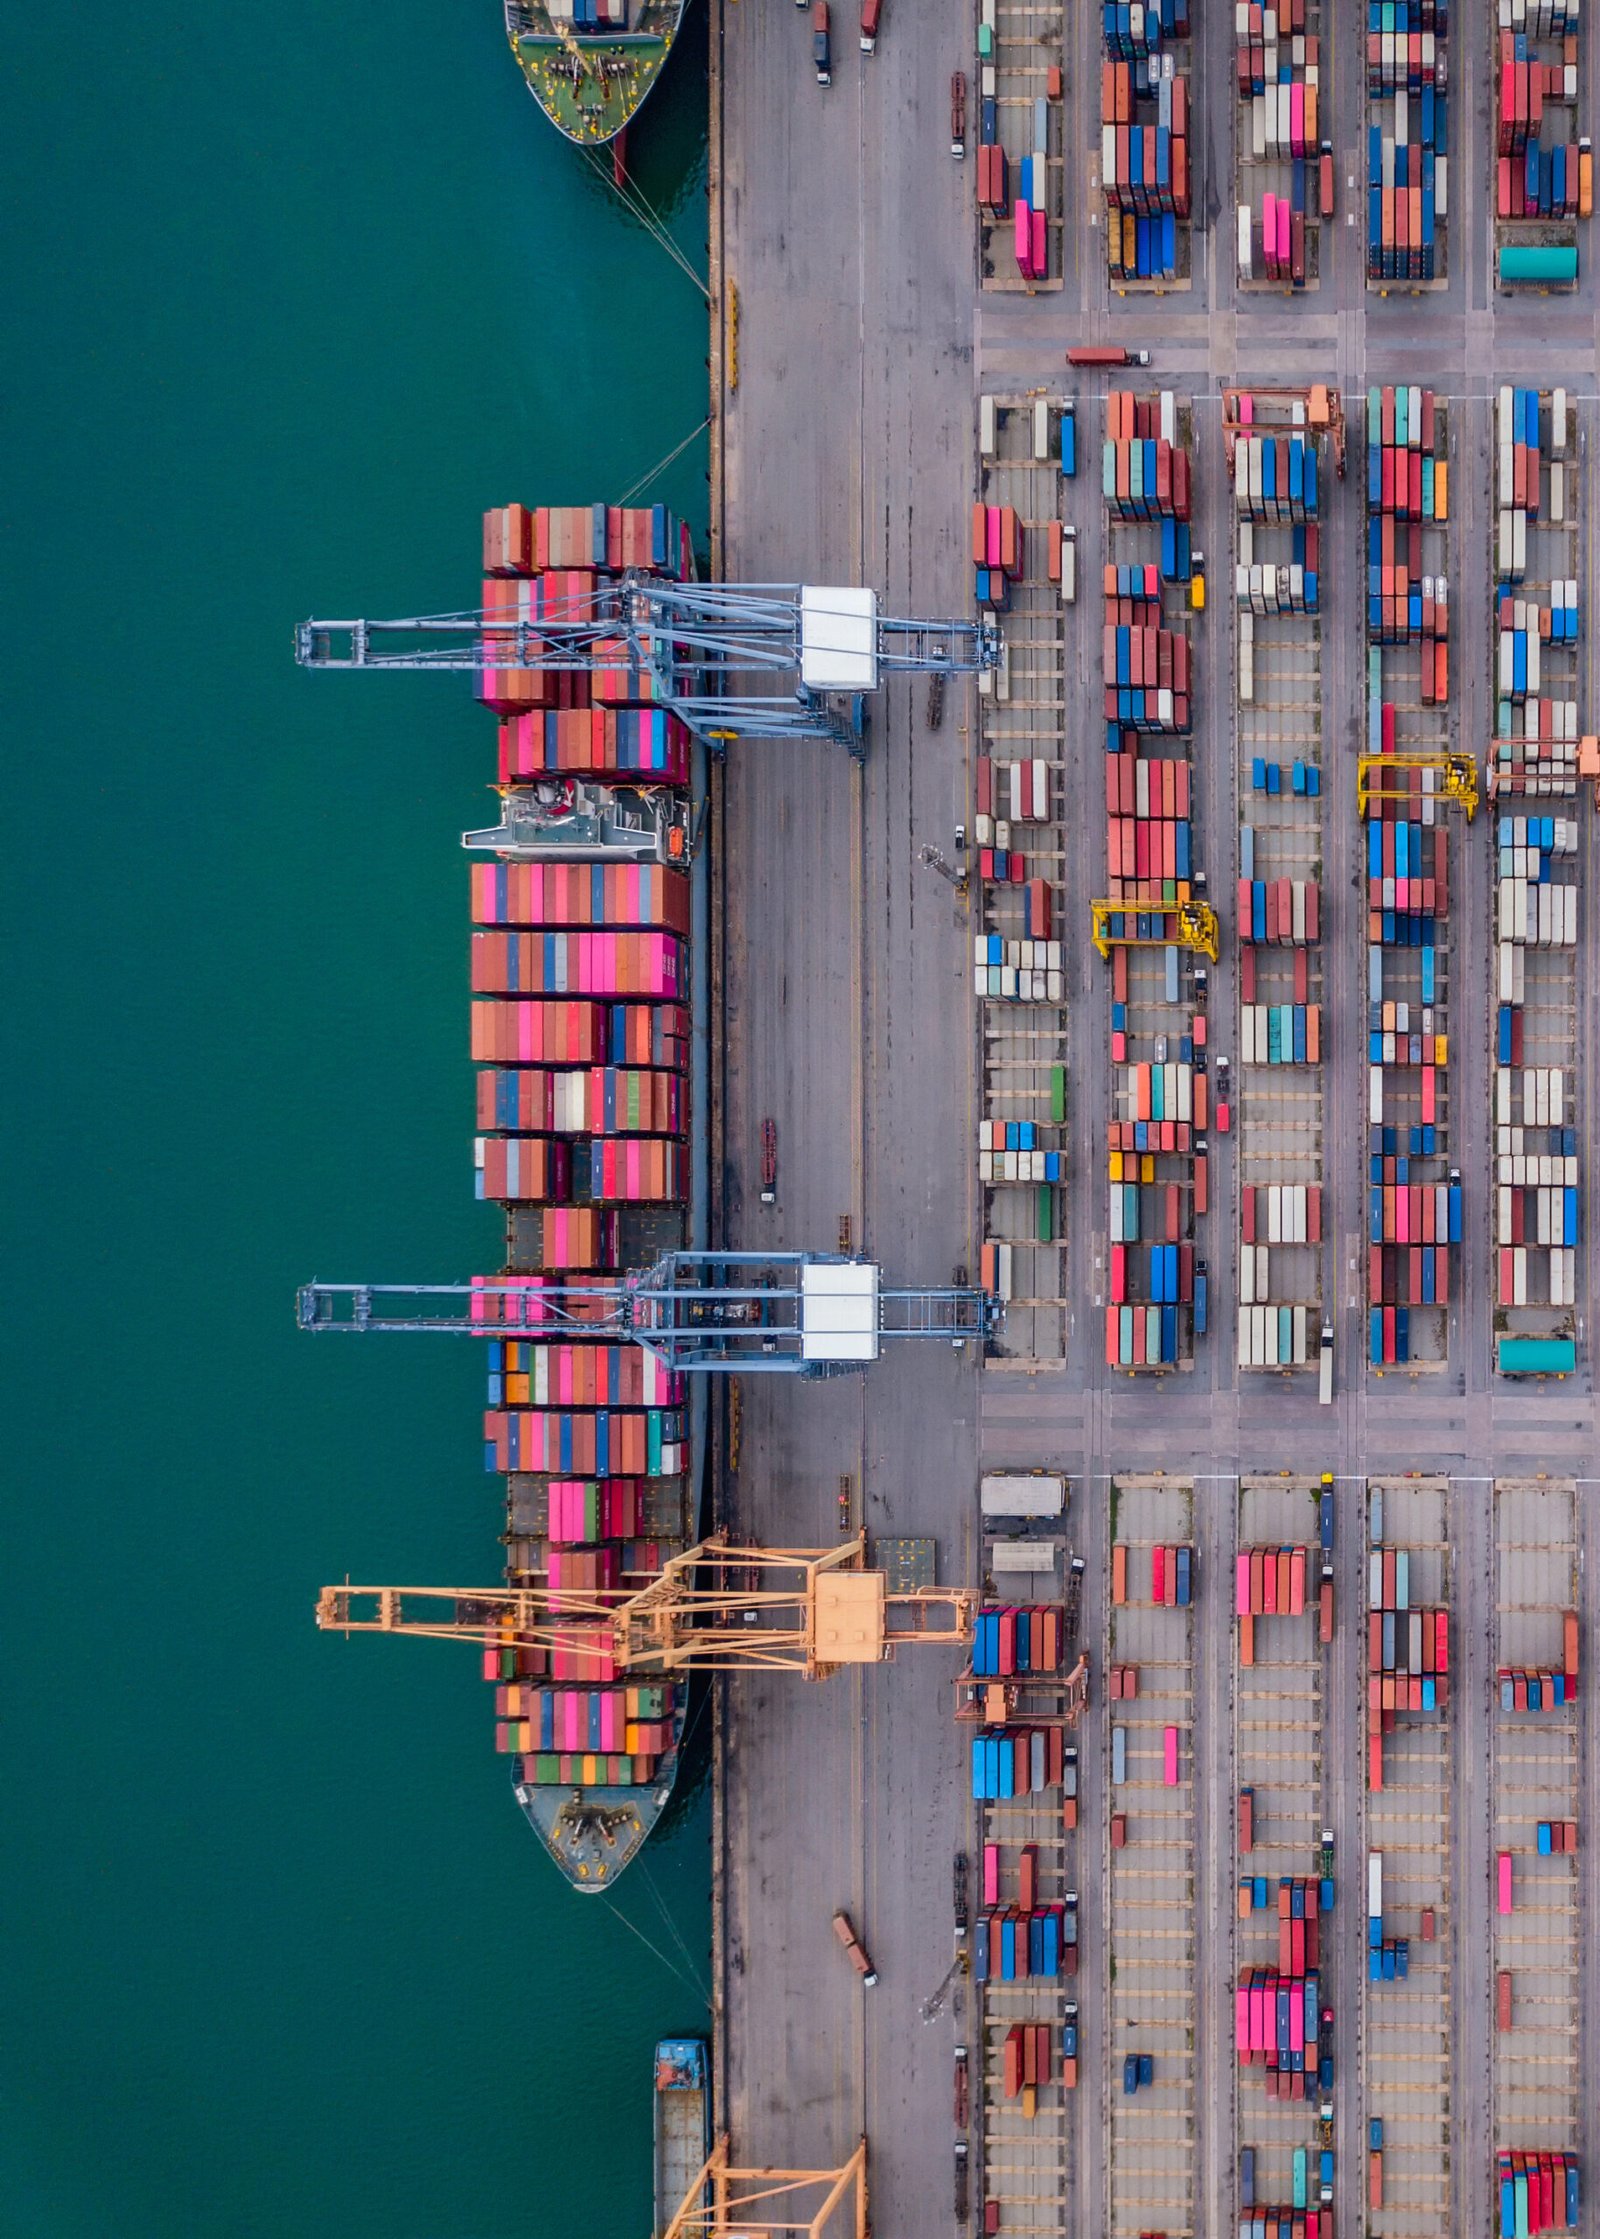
(725, 2202)
(1324, 410)
(719, 1606)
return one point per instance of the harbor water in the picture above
(294, 294)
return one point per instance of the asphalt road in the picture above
(849, 454)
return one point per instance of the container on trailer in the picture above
(1502, 1999)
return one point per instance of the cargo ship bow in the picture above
(591, 64)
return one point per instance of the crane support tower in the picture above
(1458, 771)
(716, 1607)
(1195, 923)
(790, 1313)
(1324, 415)
(731, 660)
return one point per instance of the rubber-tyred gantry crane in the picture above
(716, 1607)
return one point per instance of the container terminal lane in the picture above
(877, 307)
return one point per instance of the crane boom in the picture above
(809, 1610)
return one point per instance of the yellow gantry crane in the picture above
(1195, 926)
(1459, 772)
(716, 1607)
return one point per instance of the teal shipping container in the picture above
(1524, 266)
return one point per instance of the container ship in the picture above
(589, 1025)
(590, 64)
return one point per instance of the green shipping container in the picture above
(1058, 1094)
(1047, 1226)
(1537, 1356)
(1526, 267)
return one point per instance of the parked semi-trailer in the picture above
(1109, 353)
(1502, 1999)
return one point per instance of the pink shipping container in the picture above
(1170, 1757)
(1505, 1881)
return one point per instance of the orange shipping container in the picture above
(1119, 1574)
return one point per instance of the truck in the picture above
(1105, 353)
(1069, 2045)
(1069, 565)
(1325, 1604)
(854, 1949)
(1325, 1516)
(1247, 1819)
(822, 42)
(1069, 439)
(1202, 1291)
(963, 2089)
(871, 17)
(958, 113)
(1325, 1367)
(1325, 2176)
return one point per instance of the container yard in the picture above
(1408, 783)
(1408, 145)
(1145, 1977)
(1543, 169)
(1020, 1704)
(1153, 927)
(1539, 669)
(1407, 2027)
(1537, 1807)
(1283, 164)
(1285, 453)
(1146, 137)
(1284, 1882)
(1017, 864)
(1019, 169)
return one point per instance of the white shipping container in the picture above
(1041, 427)
(987, 419)
(1021, 1496)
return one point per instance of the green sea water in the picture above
(292, 294)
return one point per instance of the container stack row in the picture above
(1024, 1932)
(1156, 1173)
(1145, 141)
(1413, 1196)
(1027, 466)
(580, 975)
(1277, 2015)
(1281, 452)
(1538, 2191)
(1544, 172)
(1019, 157)
(1408, 143)
(1408, 1653)
(1283, 167)
(1536, 671)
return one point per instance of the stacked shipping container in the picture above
(581, 973)
(1144, 140)
(1157, 1177)
(1024, 194)
(1544, 174)
(1539, 2191)
(1407, 142)
(1276, 455)
(1280, 177)
(1414, 1202)
(1535, 758)
(1408, 1652)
